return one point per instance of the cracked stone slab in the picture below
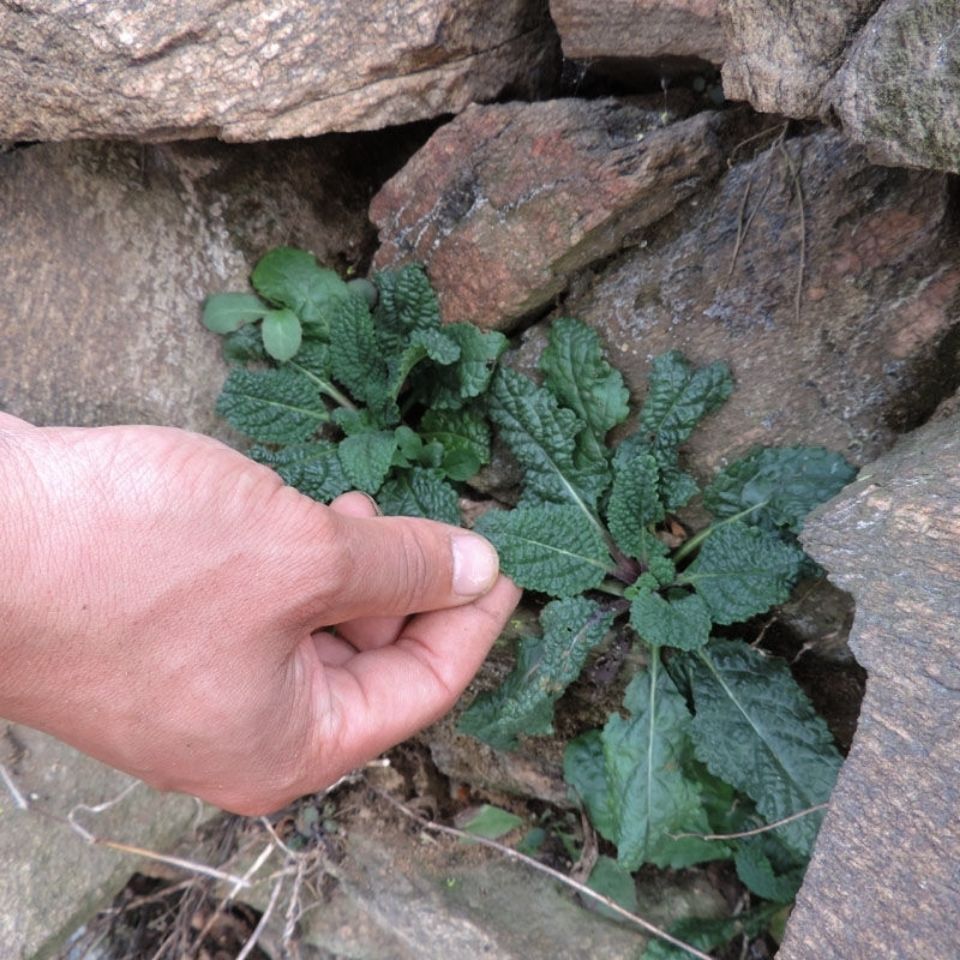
(245, 70)
(884, 881)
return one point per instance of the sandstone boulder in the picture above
(884, 880)
(503, 203)
(255, 70)
(889, 72)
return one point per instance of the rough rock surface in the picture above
(52, 879)
(504, 202)
(889, 72)
(884, 881)
(870, 350)
(664, 31)
(107, 251)
(404, 894)
(247, 70)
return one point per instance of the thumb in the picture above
(393, 566)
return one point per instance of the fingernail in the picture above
(373, 503)
(475, 565)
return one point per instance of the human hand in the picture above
(164, 601)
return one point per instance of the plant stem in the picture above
(687, 548)
(612, 587)
(326, 387)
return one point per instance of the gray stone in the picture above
(503, 203)
(108, 250)
(52, 878)
(869, 350)
(888, 72)
(884, 880)
(256, 70)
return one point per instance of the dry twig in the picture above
(765, 828)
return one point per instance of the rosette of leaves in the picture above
(356, 385)
(714, 736)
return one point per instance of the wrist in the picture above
(19, 531)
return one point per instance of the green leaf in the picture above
(756, 729)
(292, 278)
(272, 406)
(281, 334)
(550, 547)
(366, 458)
(755, 868)
(420, 492)
(779, 485)
(679, 396)
(577, 373)
(616, 883)
(546, 665)
(541, 436)
(742, 571)
(710, 933)
(634, 505)
(584, 769)
(683, 622)
(243, 345)
(491, 822)
(677, 488)
(313, 468)
(435, 344)
(313, 359)
(465, 437)
(406, 302)
(226, 312)
(450, 387)
(356, 359)
(650, 796)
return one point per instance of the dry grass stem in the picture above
(261, 925)
(756, 830)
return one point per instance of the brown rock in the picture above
(256, 70)
(108, 250)
(665, 31)
(504, 202)
(884, 881)
(888, 72)
(869, 351)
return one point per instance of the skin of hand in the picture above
(171, 608)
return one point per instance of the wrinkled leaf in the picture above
(635, 505)
(778, 485)
(756, 729)
(272, 406)
(420, 492)
(355, 356)
(550, 547)
(464, 436)
(546, 665)
(683, 622)
(313, 468)
(679, 396)
(450, 387)
(742, 571)
(577, 373)
(756, 870)
(366, 458)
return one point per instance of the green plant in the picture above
(356, 385)
(714, 736)
(361, 386)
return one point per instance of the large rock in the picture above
(52, 878)
(670, 33)
(884, 881)
(504, 202)
(108, 250)
(256, 70)
(869, 349)
(402, 893)
(888, 72)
